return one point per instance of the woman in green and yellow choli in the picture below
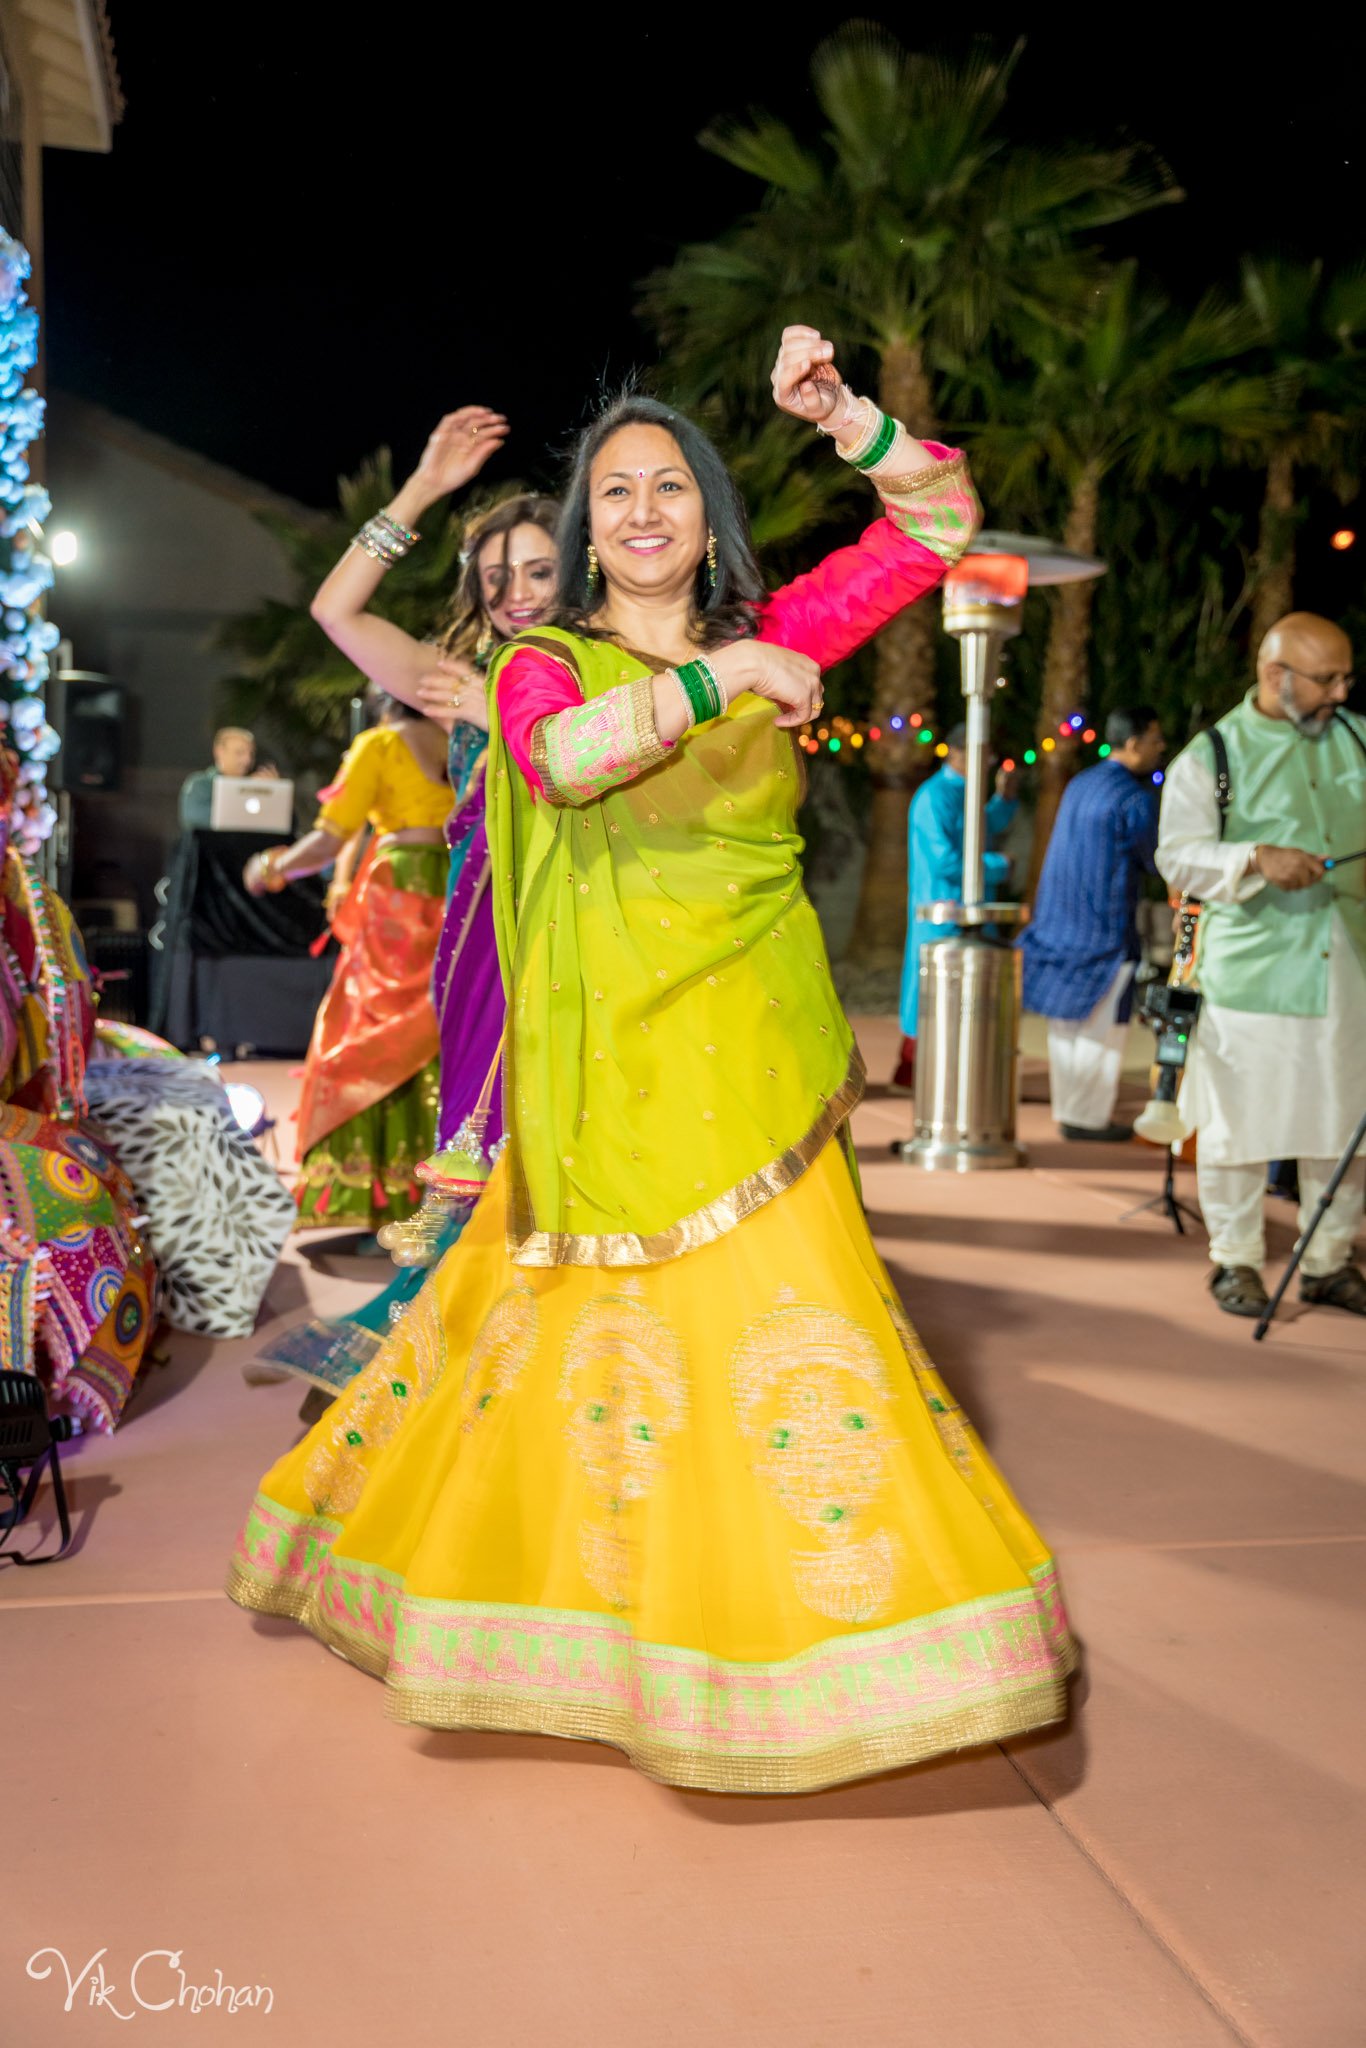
(656, 1457)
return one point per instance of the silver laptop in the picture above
(243, 803)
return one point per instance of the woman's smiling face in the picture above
(518, 586)
(647, 518)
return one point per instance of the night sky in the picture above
(306, 243)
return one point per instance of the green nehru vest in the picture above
(1271, 952)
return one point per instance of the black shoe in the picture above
(1239, 1291)
(1108, 1134)
(1344, 1289)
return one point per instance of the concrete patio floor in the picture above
(1180, 1866)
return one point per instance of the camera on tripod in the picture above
(29, 1437)
(1170, 1009)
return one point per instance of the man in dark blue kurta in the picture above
(1081, 945)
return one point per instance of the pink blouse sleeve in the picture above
(840, 604)
(531, 687)
(569, 752)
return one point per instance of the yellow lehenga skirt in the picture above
(720, 1512)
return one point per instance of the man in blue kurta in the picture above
(1081, 945)
(935, 842)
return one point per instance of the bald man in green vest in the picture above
(1277, 1066)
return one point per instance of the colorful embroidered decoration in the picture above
(506, 1341)
(936, 506)
(810, 1393)
(581, 753)
(623, 1376)
(402, 1375)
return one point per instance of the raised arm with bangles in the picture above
(571, 752)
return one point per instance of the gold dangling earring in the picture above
(711, 559)
(484, 646)
(592, 569)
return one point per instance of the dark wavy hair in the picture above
(468, 619)
(727, 612)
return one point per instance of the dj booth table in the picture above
(234, 968)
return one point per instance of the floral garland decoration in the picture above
(26, 638)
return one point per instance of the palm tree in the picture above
(905, 231)
(1170, 629)
(294, 688)
(1138, 387)
(787, 499)
(1311, 331)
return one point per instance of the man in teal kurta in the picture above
(1278, 1058)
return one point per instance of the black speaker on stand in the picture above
(87, 712)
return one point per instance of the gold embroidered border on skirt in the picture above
(848, 1758)
(528, 1246)
(489, 1709)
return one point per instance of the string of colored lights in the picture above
(848, 735)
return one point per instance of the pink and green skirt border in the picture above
(857, 1704)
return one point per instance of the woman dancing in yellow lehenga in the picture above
(655, 1457)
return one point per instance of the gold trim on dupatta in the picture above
(528, 1246)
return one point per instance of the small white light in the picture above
(65, 548)
(248, 1107)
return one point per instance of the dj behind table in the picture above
(229, 971)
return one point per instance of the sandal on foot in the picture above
(1239, 1290)
(1344, 1289)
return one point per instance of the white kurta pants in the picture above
(1232, 1199)
(1085, 1056)
(1268, 1087)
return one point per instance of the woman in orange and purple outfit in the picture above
(367, 1113)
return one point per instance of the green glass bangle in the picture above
(694, 694)
(718, 695)
(880, 445)
(689, 707)
(703, 692)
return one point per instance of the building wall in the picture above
(169, 550)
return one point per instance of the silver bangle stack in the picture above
(384, 540)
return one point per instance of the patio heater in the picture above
(967, 1050)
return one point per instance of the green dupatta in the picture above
(676, 1054)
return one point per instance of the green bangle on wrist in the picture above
(703, 693)
(870, 449)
